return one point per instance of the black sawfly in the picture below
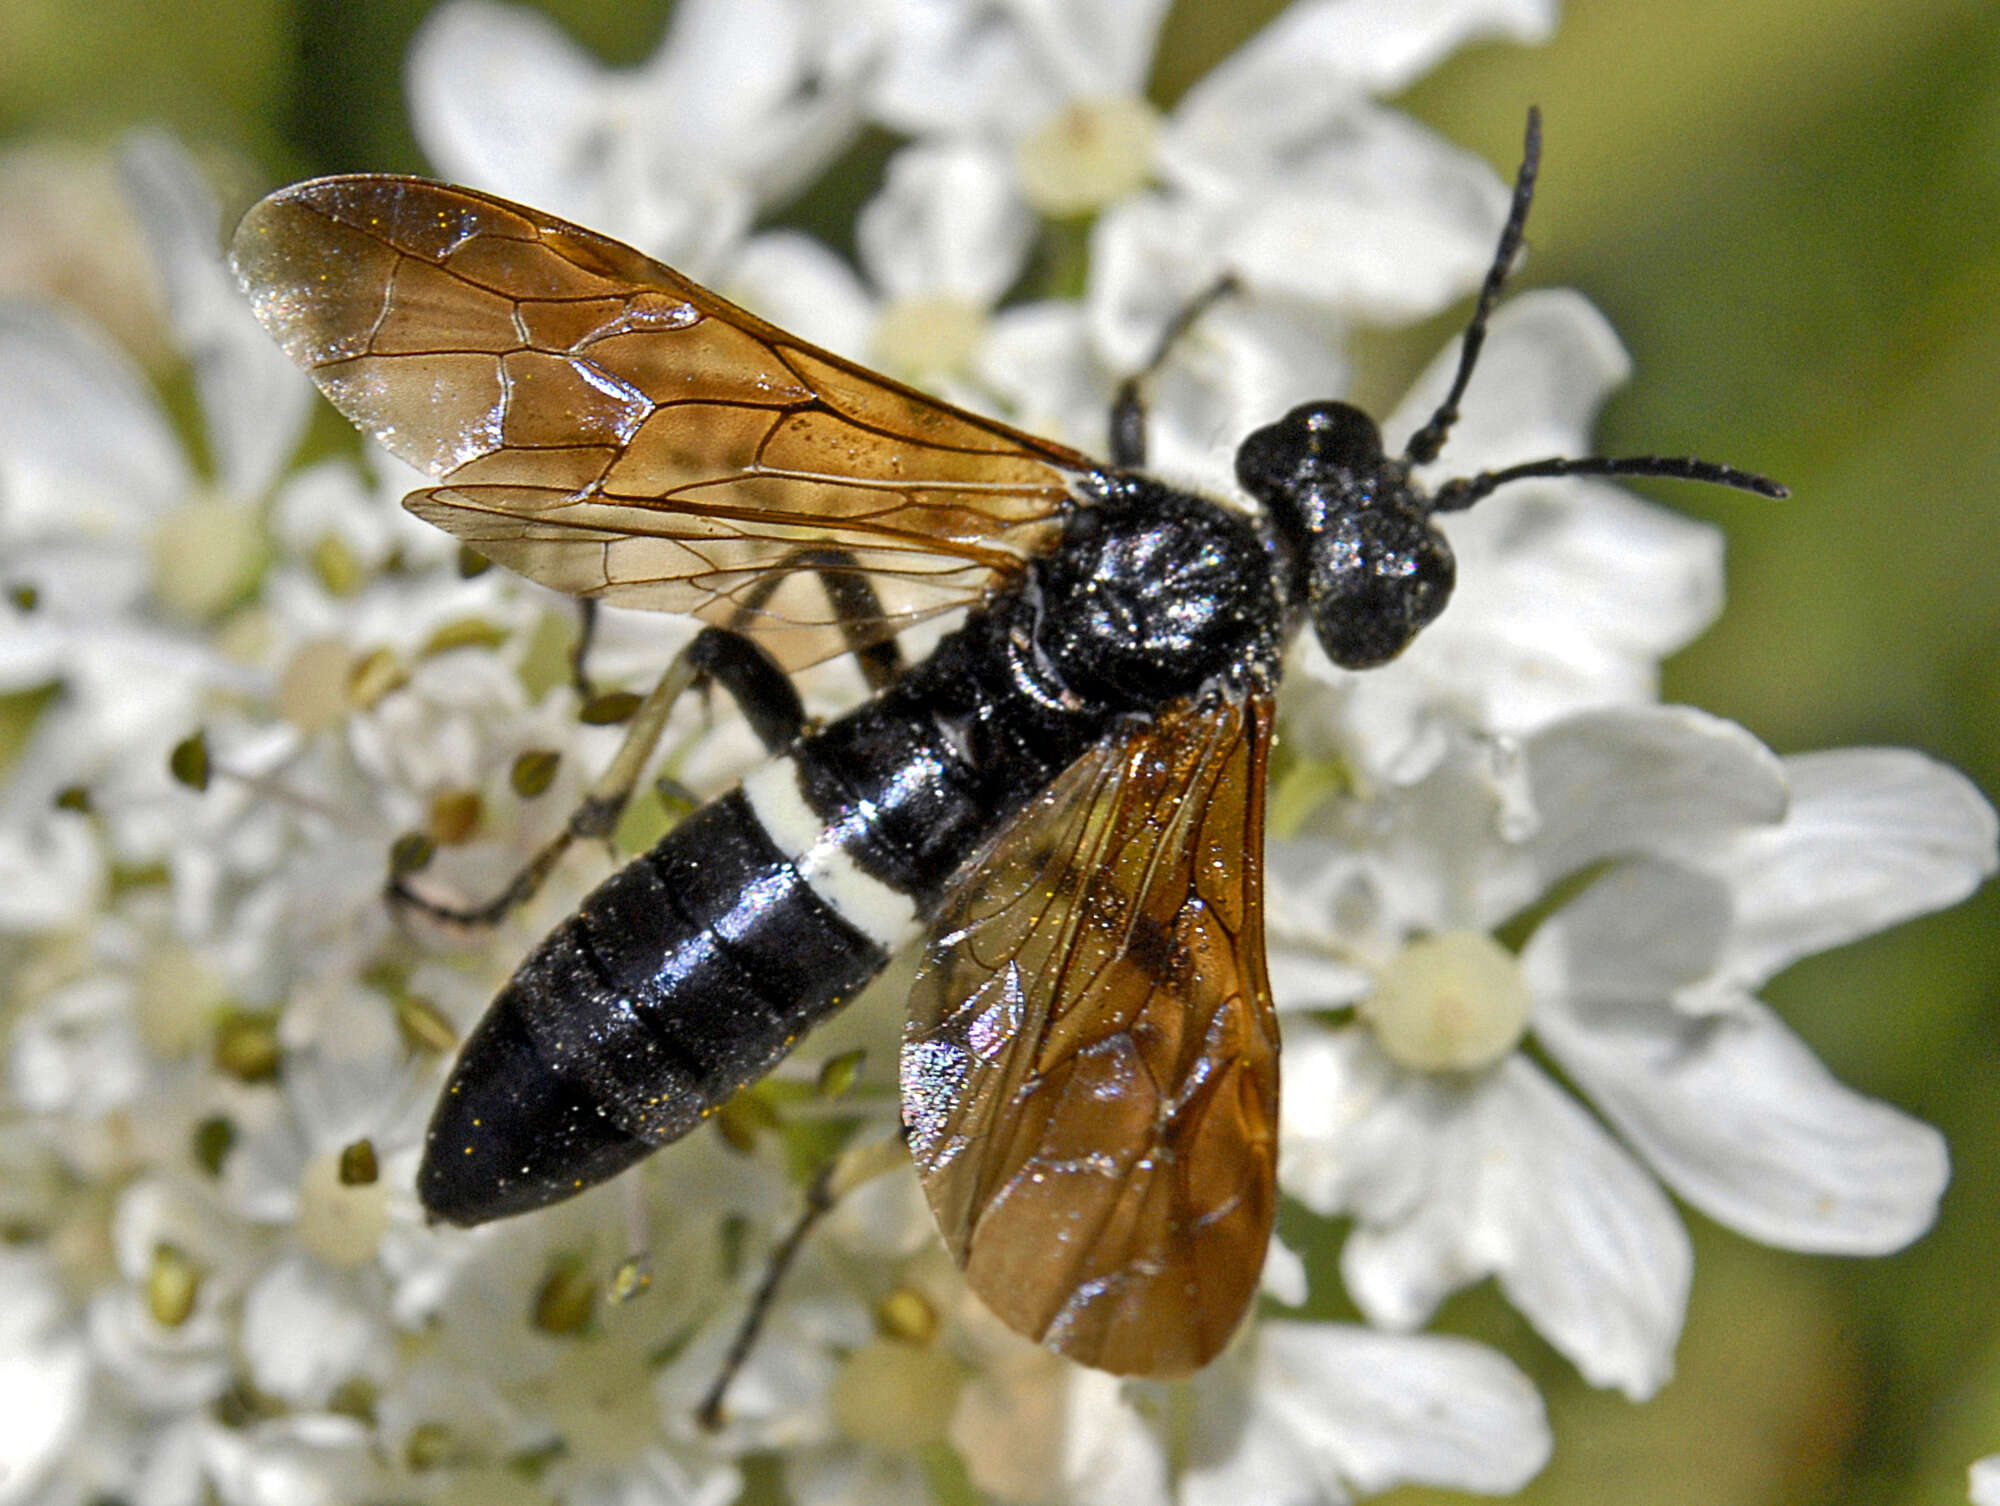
(1066, 797)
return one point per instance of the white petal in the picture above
(660, 1478)
(1244, 363)
(1365, 873)
(1266, 356)
(1638, 933)
(131, 691)
(1097, 46)
(303, 1336)
(1874, 836)
(44, 1376)
(500, 98)
(886, 1218)
(1632, 581)
(724, 67)
(826, 1477)
(1382, 220)
(84, 450)
(1549, 362)
(52, 873)
(1008, 1426)
(77, 1051)
(1646, 778)
(1303, 979)
(1149, 258)
(174, 1369)
(1038, 358)
(1284, 1280)
(799, 284)
(1358, 1135)
(1109, 1456)
(253, 399)
(1983, 1481)
(780, 1398)
(1245, 367)
(154, 1212)
(947, 221)
(770, 90)
(1569, 592)
(1533, 1192)
(1567, 599)
(503, 100)
(316, 1459)
(170, 1469)
(1328, 1409)
(1393, 725)
(1319, 55)
(1742, 1120)
(958, 69)
(955, 69)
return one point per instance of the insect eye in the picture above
(1315, 442)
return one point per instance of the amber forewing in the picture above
(609, 428)
(1090, 1075)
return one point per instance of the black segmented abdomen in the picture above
(683, 976)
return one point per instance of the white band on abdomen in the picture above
(885, 915)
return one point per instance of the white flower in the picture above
(938, 246)
(522, 1354)
(1277, 164)
(1323, 1412)
(1244, 364)
(1343, 212)
(267, 1231)
(1293, 1412)
(162, 1331)
(117, 552)
(1707, 865)
(1325, 212)
(745, 102)
(313, 1459)
(44, 1375)
(253, 401)
(1984, 1481)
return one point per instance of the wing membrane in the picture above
(1090, 1071)
(607, 427)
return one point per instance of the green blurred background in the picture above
(1791, 211)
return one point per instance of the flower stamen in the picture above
(1090, 153)
(1453, 1002)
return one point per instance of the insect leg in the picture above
(834, 1180)
(586, 631)
(854, 603)
(768, 700)
(1128, 408)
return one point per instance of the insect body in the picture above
(1066, 796)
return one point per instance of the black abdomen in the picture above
(684, 976)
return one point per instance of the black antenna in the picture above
(1455, 496)
(1427, 441)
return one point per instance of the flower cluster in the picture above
(242, 680)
